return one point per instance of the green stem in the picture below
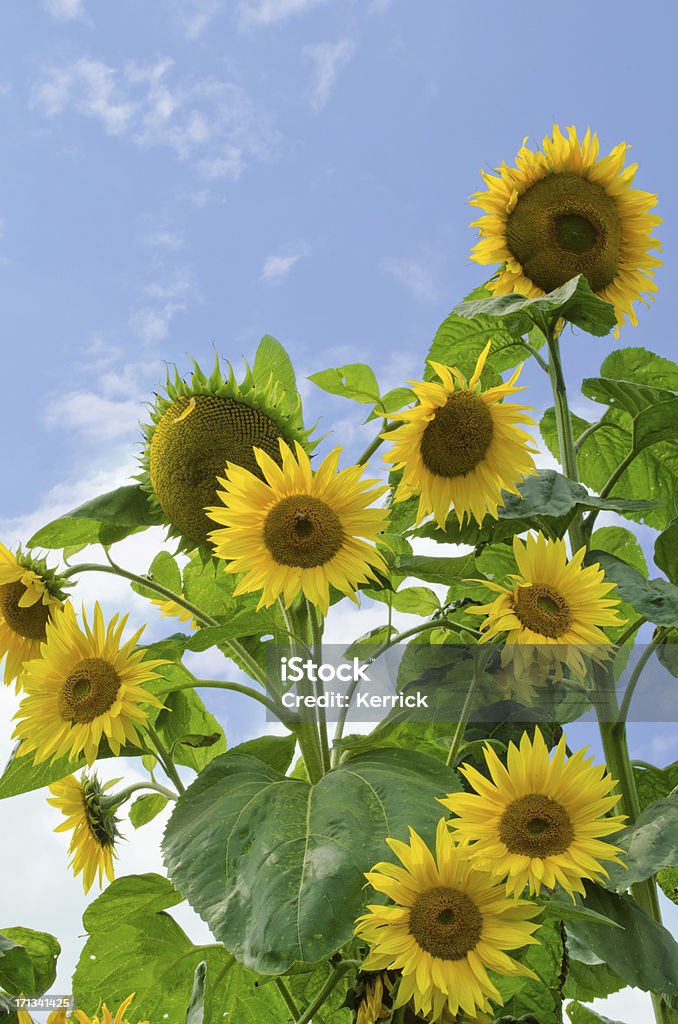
(630, 630)
(608, 487)
(317, 625)
(287, 996)
(464, 716)
(660, 635)
(124, 794)
(219, 684)
(306, 728)
(568, 453)
(325, 992)
(586, 434)
(165, 759)
(372, 447)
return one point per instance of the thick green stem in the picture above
(165, 759)
(568, 453)
(458, 737)
(374, 445)
(306, 728)
(317, 625)
(325, 992)
(287, 996)
(123, 795)
(637, 672)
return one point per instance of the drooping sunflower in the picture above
(554, 608)
(106, 1017)
(538, 821)
(29, 592)
(91, 816)
(85, 685)
(563, 211)
(460, 446)
(451, 925)
(297, 531)
(200, 425)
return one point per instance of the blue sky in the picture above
(182, 173)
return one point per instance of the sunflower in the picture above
(553, 608)
(91, 816)
(538, 821)
(298, 531)
(374, 1005)
(563, 212)
(106, 1016)
(200, 425)
(174, 610)
(29, 592)
(85, 686)
(460, 446)
(451, 924)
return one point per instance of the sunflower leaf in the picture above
(17, 974)
(104, 520)
(656, 599)
(146, 808)
(240, 813)
(459, 341)
(666, 551)
(579, 1014)
(649, 845)
(590, 981)
(355, 381)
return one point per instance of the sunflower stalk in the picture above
(307, 728)
(165, 759)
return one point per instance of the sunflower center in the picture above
(536, 826)
(446, 923)
(89, 691)
(191, 444)
(302, 531)
(27, 622)
(458, 436)
(542, 609)
(562, 226)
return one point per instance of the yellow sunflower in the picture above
(28, 594)
(373, 1007)
(174, 610)
(86, 685)
(106, 1017)
(538, 821)
(460, 446)
(451, 925)
(564, 212)
(553, 609)
(91, 816)
(298, 531)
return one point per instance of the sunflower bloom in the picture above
(175, 611)
(450, 925)
(461, 446)
(26, 603)
(553, 608)
(563, 211)
(298, 531)
(106, 1017)
(538, 821)
(86, 685)
(90, 815)
(373, 1007)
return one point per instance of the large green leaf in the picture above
(573, 301)
(355, 381)
(653, 783)
(656, 599)
(271, 361)
(185, 715)
(435, 569)
(272, 864)
(649, 845)
(103, 520)
(642, 952)
(135, 946)
(459, 341)
(16, 968)
(590, 981)
(542, 998)
(551, 494)
(275, 751)
(579, 1014)
(28, 960)
(666, 551)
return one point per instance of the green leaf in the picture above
(579, 1014)
(196, 1008)
(275, 751)
(459, 341)
(668, 880)
(135, 946)
(355, 381)
(395, 399)
(434, 569)
(410, 600)
(628, 395)
(146, 808)
(43, 950)
(656, 599)
(542, 998)
(649, 845)
(244, 839)
(573, 301)
(666, 551)
(551, 494)
(643, 953)
(590, 981)
(103, 520)
(622, 543)
(165, 571)
(17, 975)
(185, 715)
(656, 423)
(653, 783)
(245, 623)
(272, 361)
(642, 367)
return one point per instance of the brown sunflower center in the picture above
(302, 531)
(27, 622)
(536, 826)
(191, 444)
(446, 923)
(542, 609)
(89, 691)
(562, 226)
(458, 436)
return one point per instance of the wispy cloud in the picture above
(329, 59)
(64, 10)
(162, 301)
(420, 275)
(211, 124)
(163, 240)
(197, 14)
(276, 268)
(268, 12)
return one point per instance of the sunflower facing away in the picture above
(554, 608)
(538, 821)
(451, 925)
(91, 816)
(199, 426)
(297, 531)
(564, 212)
(28, 594)
(460, 446)
(86, 685)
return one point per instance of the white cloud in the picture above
(163, 240)
(268, 12)
(197, 15)
(276, 268)
(329, 60)
(211, 124)
(420, 275)
(64, 10)
(93, 415)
